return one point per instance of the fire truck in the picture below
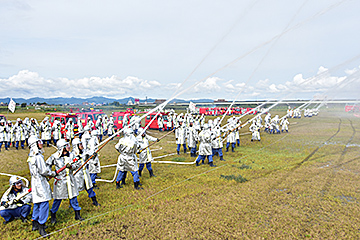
(154, 124)
(119, 118)
(63, 118)
(93, 115)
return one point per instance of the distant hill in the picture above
(96, 100)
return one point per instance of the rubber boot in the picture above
(140, 172)
(184, 150)
(227, 149)
(118, 185)
(77, 216)
(222, 159)
(178, 152)
(197, 164)
(23, 219)
(151, 173)
(35, 226)
(53, 218)
(95, 202)
(212, 164)
(232, 148)
(42, 229)
(136, 186)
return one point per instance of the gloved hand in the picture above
(18, 201)
(157, 140)
(5, 204)
(68, 165)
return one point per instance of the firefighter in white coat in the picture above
(284, 124)
(56, 129)
(40, 187)
(180, 135)
(230, 139)
(70, 129)
(255, 129)
(4, 130)
(94, 163)
(99, 126)
(128, 146)
(45, 128)
(192, 138)
(19, 129)
(80, 127)
(145, 156)
(82, 177)
(205, 149)
(34, 127)
(110, 127)
(64, 185)
(216, 143)
(15, 208)
(160, 123)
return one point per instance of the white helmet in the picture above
(141, 131)
(128, 131)
(94, 133)
(61, 143)
(76, 141)
(15, 179)
(2, 121)
(33, 139)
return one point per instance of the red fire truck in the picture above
(93, 115)
(154, 124)
(119, 118)
(63, 118)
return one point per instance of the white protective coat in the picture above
(180, 135)
(145, 156)
(40, 187)
(64, 185)
(205, 138)
(127, 160)
(91, 148)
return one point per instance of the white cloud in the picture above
(273, 88)
(209, 85)
(30, 84)
(262, 84)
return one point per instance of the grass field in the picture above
(303, 184)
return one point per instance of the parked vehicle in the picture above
(93, 115)
(154, 124)
(63, 118)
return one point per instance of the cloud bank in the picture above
(27, 84)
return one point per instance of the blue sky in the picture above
(147, 48)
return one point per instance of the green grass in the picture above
(285, 195)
